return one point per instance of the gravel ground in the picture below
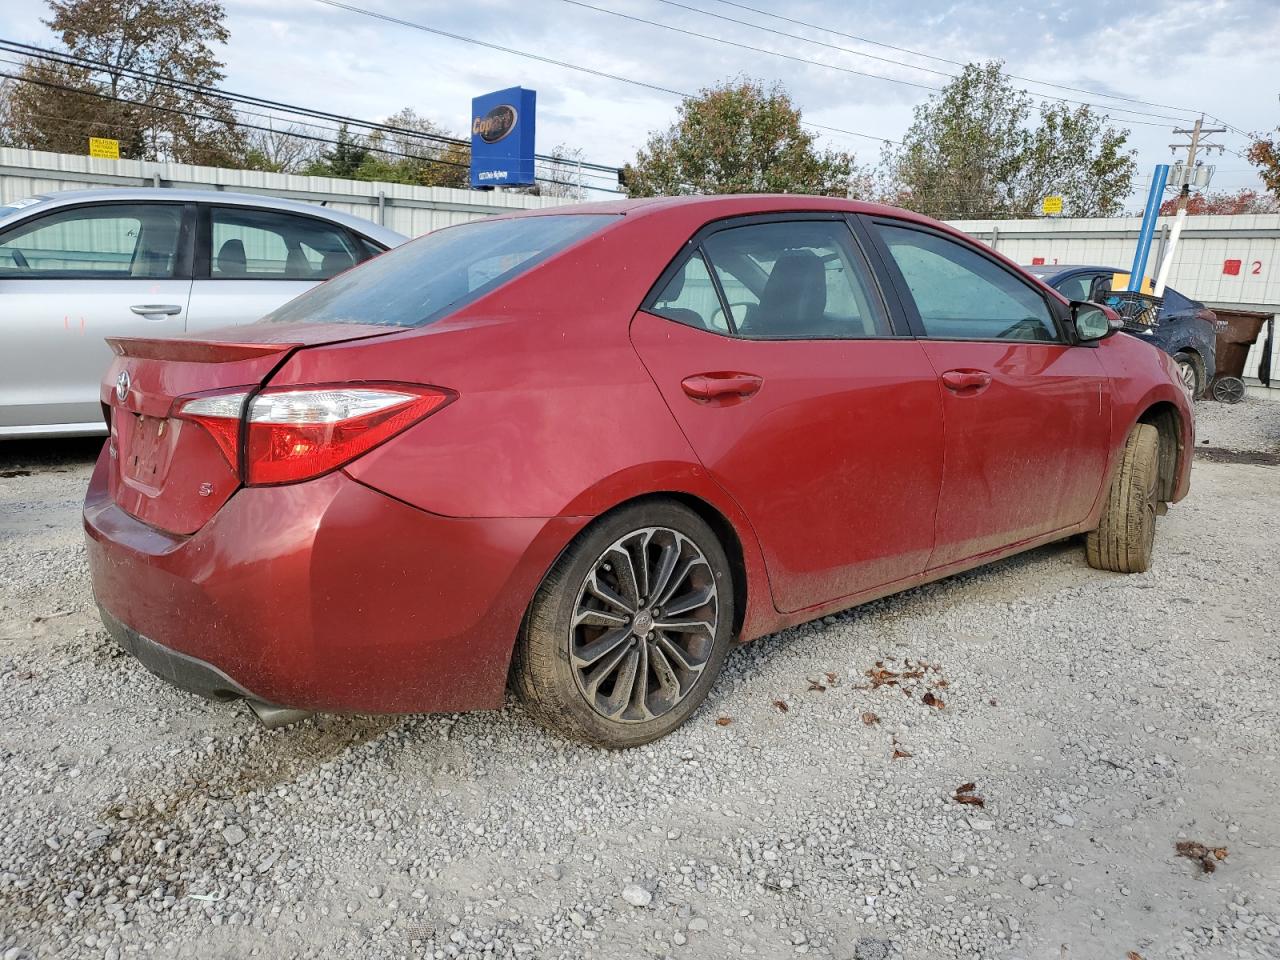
(809, 808)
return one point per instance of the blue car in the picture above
(1185, 329)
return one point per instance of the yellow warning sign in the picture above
(105, 148)
(1051, 205)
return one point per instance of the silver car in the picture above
(79, 266)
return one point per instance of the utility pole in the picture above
(1186, 176)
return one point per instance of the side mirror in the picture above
(1094, 322)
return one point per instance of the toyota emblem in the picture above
(122, 385)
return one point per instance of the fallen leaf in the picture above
(929, 700)
(941, 685)
(781, 705)
(832, 678)
(881, 677)
(964, 794)
(1133, 955)
(815, 685)
(899, 754)
(1205, 856)
(870, 719)
(723, 721)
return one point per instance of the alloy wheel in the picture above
(1190, 376)
(644, 625)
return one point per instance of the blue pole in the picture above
(1149, 216)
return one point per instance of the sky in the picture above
(1216, 56)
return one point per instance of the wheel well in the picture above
(1165, 418)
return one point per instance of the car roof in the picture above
(62, 198)
(730, 204)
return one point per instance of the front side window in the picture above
(109, 241)
(961, 295)
(247, 244)
(423, 280)
(796, 280)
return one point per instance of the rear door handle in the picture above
(959, 380)
(711, 386)
(156, 309)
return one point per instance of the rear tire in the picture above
(599, 659)
(1125, 537)
(1191, 371)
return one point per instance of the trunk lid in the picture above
(168, 472)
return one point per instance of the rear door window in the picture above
(796, 280)
(117, 241)
(248, 244)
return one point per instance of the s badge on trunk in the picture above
(122, 385)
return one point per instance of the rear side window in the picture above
(690, 298)
(795, 280)
(961, 295)
(108, 241)
(421, 281)
(247, 244)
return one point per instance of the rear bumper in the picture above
(325, 595)
(190, 673)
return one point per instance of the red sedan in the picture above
(583, 451)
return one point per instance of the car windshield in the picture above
(422, 281)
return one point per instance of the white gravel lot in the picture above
(1102, 718)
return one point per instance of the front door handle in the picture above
(713, 386)
(156, 309)
(966, 380)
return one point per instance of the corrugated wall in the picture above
(410, 210)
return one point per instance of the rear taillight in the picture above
(295, 433)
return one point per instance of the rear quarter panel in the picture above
(556, 416)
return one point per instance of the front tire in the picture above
(629, 629)
(1190, 372)
(1125, 538)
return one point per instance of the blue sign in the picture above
(502, 126)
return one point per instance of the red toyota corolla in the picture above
(583, 451)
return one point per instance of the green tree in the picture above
(144, 46)
(979, 149)
(343, 159)
(739, 137)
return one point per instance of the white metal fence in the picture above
(407, 209)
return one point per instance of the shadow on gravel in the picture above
(1223, 455)
(19, 458)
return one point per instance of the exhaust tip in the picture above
(273, 717)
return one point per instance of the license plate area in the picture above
(144, 455)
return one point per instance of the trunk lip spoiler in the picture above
(199, 351)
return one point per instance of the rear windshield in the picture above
(439, 273)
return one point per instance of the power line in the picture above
(249, 126)
(831, 66)
(68, 59)
(929, 56)
(746, 46)
(399, 21)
